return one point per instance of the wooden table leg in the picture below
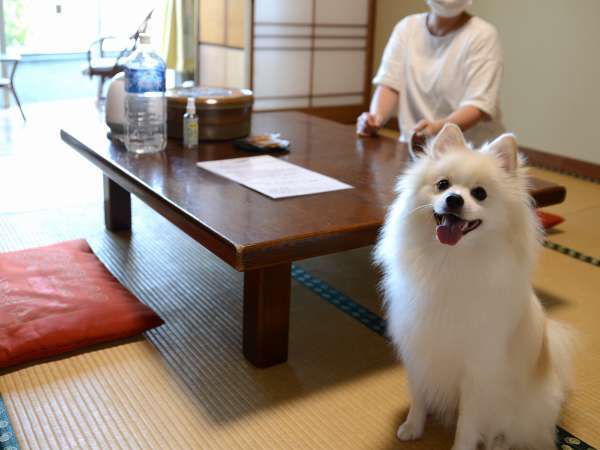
(117, 206)
(267, 314)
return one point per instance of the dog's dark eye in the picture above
(479, 193)
(442, 185)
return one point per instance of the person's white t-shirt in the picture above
(436, 75)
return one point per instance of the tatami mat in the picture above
(567, 287)
(581, 211)
(581, 194)
(187, 385)
(579, 231)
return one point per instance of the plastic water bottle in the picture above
(145, 102)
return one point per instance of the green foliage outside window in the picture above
(15, 29)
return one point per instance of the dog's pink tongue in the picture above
(449, 231)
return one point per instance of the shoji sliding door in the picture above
(311, 55)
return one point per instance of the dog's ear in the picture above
(416, 146)
(505, 149)
(450, 136)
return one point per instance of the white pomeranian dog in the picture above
(458, 250)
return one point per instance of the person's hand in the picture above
(368, 124)
(416, 143)
(427, 128)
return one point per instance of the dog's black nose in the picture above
(454, 201)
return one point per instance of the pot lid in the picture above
(210, 95)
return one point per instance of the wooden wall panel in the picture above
(212, 21)
(235, 23)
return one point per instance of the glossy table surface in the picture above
(248, 229)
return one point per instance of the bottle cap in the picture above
(145, 38)
(191, 105)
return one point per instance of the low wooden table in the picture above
(253, 233)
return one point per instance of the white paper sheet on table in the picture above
(273, 177)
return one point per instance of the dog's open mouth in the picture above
(450, 228)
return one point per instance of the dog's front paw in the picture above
(409, 431)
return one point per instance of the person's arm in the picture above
(389, 84)
(383, 104)
(466, 117)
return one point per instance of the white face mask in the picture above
(448, 8)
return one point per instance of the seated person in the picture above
(438, 67)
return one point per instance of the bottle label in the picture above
(190, 132)
(138, 81)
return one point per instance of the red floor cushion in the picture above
(549, 220)
(61, 298)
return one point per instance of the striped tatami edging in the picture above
(572, 253)
(8, 440)
(565, 172)
(565, 440)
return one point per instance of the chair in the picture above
(105, 66)
(101, 64)
(8, 83)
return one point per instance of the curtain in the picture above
(179, 37)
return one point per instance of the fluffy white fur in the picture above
(477, 347)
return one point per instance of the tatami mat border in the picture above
(565, 440)
(567, 173)
(570, 173)
(572, 253)
(368, 318)
(8, 440)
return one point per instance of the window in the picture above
(68, 26)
